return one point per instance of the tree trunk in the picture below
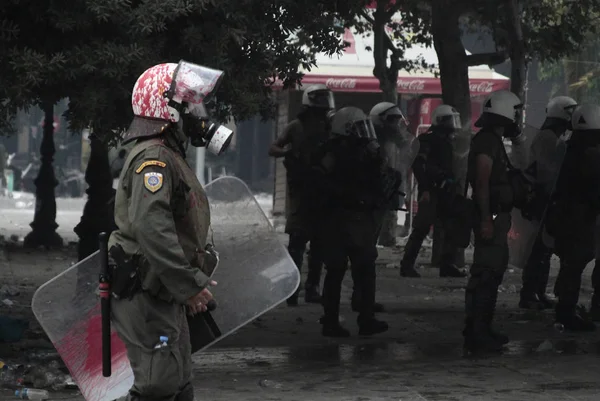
(518, 68)
(98, 213)
(44, 220)
(387, 76)
(454, 79)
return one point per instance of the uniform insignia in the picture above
(153, 181)
(150, 163)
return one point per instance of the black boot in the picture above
(477, 333)
(332, 289)
(334, 329)
(312, 295)
(530, 300)
(449, 270)
(411, 252)
(571, 319)
(372, 326)
(546, 302)
(498, 336)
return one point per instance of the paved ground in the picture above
(282, 356)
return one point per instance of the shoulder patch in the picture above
(150, 163)
(153, 181)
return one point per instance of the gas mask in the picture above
(202, 131)
(191, 88)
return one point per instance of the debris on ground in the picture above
(545, 346)
(9, 291)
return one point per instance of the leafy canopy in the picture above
(92, 51)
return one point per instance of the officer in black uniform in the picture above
(494, 197)
(433, 169)
(298, 142)
(353, 177)
(537, 270)
(572, 214)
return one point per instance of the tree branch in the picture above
(486, 58)
(387, 40)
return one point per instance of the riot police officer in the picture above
(394, 138)
(163, 219)
(493, 198)
(572, 214)
(433, 169)
(351, 177)
(297, 144)
(537, 269)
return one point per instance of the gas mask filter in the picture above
(203, 132)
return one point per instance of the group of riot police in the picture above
(347, 174)
(342, 188)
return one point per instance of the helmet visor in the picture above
(361, 129)
(394, 116)
(193, 83)
(322, 99)
(451, 121)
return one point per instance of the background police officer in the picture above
(493, 198)
(536, 271)
(352, 180)
(433, 169)
(572, 214)
(298, 143)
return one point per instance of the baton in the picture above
(104, 287)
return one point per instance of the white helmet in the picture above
(386, 112)
(319, 96)
(561, 107)
(586, 117)
(446, 116)
(504, 104)
(352, 121)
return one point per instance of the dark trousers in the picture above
(537, 269)
(351, 237)
(297, 248)
(490, 261)
(568, 281)
(427, 214)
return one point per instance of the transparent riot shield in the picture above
(406, 156)
(545, 155)
(255, 274)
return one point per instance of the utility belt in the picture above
(128, 273)
(125, 273)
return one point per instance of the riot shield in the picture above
(546, 155)
(254, 275)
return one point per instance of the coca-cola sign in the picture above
(413, 85)
(481, 87)
(341, 83)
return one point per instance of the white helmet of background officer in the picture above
(387, 113)
(559, 112)
(352, 122)
(318, 96)
(586, 118)
(447, 117)
(502, 109)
